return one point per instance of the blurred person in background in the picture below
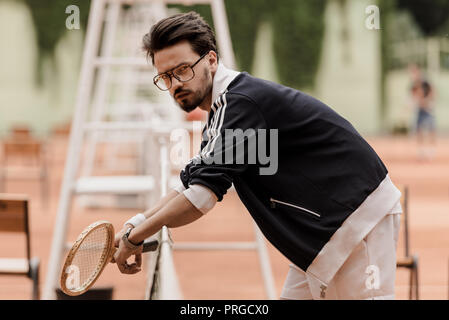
(422, 94)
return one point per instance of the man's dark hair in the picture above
(184, 26)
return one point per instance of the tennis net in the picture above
(162, 280)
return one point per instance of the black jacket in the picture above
(325, 168)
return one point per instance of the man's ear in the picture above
(213, 61)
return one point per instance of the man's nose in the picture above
(175, 84)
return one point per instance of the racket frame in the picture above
(105, 257)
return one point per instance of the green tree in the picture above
(49, 19)
(298, 28)
(429, 15)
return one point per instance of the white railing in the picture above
(162, 281)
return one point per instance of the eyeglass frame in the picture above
(172, 75)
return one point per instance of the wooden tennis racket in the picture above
(89, 255)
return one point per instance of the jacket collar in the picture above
(222, 78)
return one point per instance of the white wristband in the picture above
(136, 220)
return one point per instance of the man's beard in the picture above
(189, 104)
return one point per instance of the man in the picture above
(422, 94)
(326, 201)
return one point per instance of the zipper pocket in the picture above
(274, 201)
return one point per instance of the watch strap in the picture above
(128, 243)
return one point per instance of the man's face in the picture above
(188, 95)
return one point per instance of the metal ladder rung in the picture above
(114, 185)
(136, 126)
(215, 246)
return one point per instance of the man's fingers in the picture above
(117, 239)
(138, 259)
(122, 267)
(133, 268)
(120, 258)
(115, 257)
(128, 268)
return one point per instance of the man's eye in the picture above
(181, 69)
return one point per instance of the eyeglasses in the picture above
(182, 73)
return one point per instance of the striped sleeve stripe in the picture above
(212, 130)
(219, 125)
(214, 120)
(212, 125)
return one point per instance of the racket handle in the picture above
(150, 245)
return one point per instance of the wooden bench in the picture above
(14, 218)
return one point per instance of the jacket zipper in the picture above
(274, 201)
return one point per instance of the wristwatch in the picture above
(128, 243)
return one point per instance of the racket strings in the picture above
(90, 257)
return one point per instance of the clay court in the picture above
(236, 275)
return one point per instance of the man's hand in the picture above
(177, 212)
(119, 235)
(121, 256)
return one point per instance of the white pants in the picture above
(368, 273)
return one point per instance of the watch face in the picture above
(126, 240)
(127, 233)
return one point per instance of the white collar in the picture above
(223, 77)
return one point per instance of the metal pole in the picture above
(110, 31)
(75, 144)
(169, 289)
(264, 260)
(222, 32)
(169, 284)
